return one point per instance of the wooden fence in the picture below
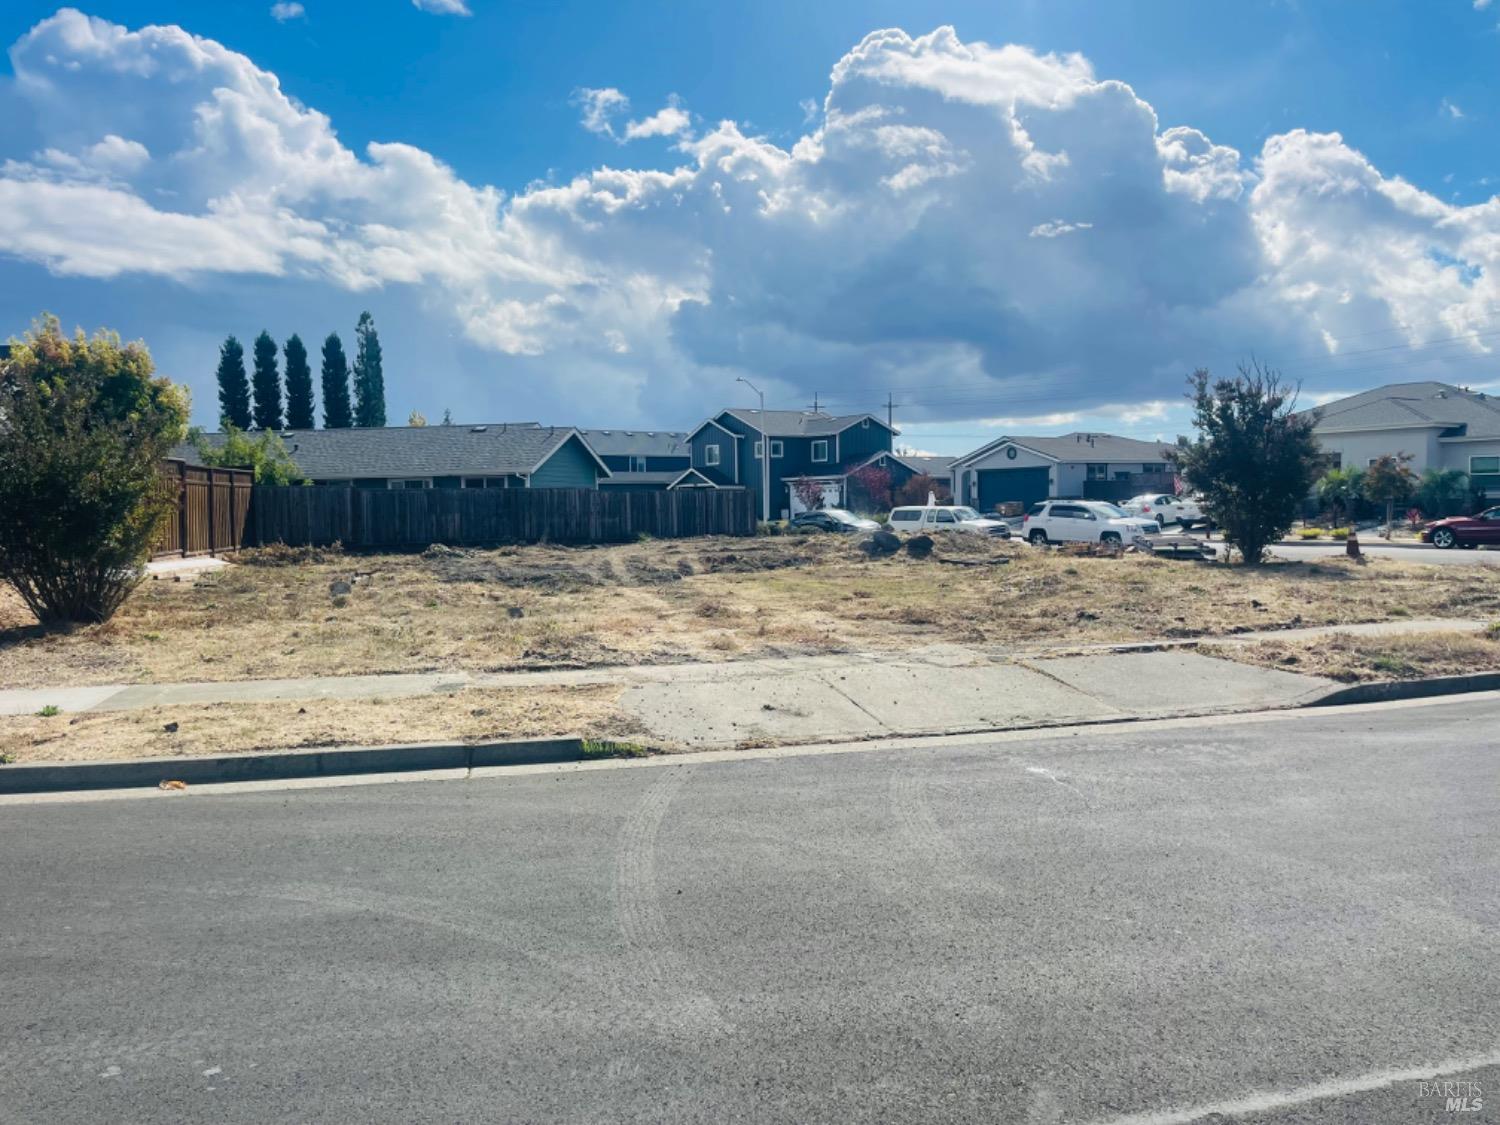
(212, 509)
(369, 517)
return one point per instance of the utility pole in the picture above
(765, 454)
(815, 402)
(890, 412)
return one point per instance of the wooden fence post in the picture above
(182, 509)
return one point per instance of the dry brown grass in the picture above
(710, 599)
(237, 728)
(1351, 659)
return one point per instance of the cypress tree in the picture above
(299, 392)
(234, 387)
(267, 384)
(336, 413)
(369, 379)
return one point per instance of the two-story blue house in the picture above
(824, 448)
(645, 460)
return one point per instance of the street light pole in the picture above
(765, 454)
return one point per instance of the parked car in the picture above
(1465, 531)
(1085, 521)
(946, 517)
(1165, 508)
(832, 519)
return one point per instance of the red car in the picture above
(1465, 531)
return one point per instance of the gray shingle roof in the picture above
(638, 443)
(930, 466)
(419, 451)
(1083, 447)
(1403, 405)
(798, 423)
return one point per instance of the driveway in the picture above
(1291, 918)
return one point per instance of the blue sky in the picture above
(1347, 263)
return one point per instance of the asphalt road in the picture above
(1424, 555)
(1278, 921)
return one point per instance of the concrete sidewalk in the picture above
(944, 689)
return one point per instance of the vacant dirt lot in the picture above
(237, 728)
(290, 613)
(1364, 659)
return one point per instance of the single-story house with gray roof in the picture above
(1442, 426)
(1014, 469)
(486, 455)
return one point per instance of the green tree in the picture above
(267, 384)
(84, 425)
(1339, 489)
(369, 378)
(1441, 489)
(1254, 459)
(265, 453)
(1389, 480)
(299, 389)
(416, 418)
(234, 387)
(336, 412)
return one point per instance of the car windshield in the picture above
(841, 515)
(1107, 509)
(967, 514)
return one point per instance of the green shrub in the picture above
(84, 426)
(49, 711)
(1310, 533)
(1339, 533)
(265, 454)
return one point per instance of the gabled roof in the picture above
(799, 423)
(1401, 406)
(423, 451)
(637, 443)
(671, 478)
(1077, 446)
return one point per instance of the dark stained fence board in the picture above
(404, 518)
(212, 510)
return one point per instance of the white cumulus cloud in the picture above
(287, 10)
(443, 7)
(988, 231)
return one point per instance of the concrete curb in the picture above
(44, 777)
(1389, 690)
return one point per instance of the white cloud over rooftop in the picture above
(994, 228)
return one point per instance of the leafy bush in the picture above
(1339, 533)
(265, 453)
(84, 426)
(1255, 458)
(1310, 533)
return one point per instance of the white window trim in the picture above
(777, 449)
(711, 454)
(637, 464)
(1480, 457)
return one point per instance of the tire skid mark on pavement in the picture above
(653, 973)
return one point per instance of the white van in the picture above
(945, 517)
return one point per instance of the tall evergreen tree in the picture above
(299, 392)
(336, 412)
(369, 379)
(267, 384)
(234, 387)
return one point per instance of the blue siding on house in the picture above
(848, 448)
(570, 466)
(724, 470)
(624, 463)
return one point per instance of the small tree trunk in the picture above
(1390, 514)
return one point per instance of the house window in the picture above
(473, 482)
(1484, 465)
(637, 464)
(1097, 472)
(776, 449)
(711, 454)
(819, 450)
(424, 482)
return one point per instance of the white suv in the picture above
(1084, 521)
(946, 517)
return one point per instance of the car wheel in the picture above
(1161, 522)
(1038, 538)
(1443, 538)
(1110, 538)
